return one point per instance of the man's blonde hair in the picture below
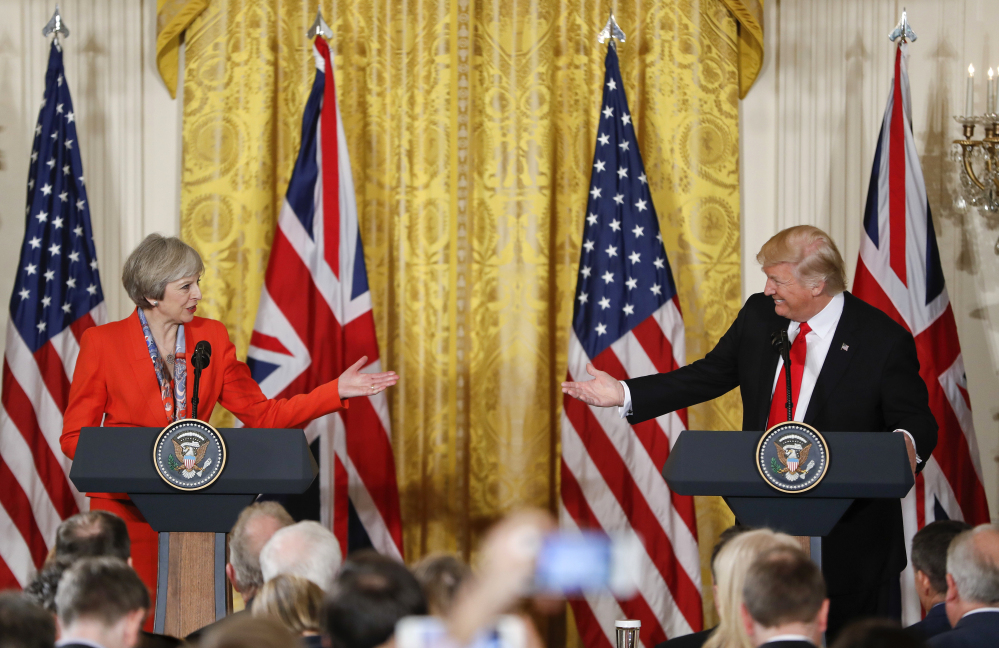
(811, 252)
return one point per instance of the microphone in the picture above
(779, 340)
(200, 359)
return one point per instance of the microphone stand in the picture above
(197, 384)
(780, 342)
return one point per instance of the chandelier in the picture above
(978, 160)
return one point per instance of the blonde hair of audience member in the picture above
(293, 601)
(813, 255)
(731, 566)
(440, 575)
(249, 632)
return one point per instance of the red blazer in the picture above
(114, 381)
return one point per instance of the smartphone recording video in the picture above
(575, 564)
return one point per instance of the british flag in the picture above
(899, 271)
(315, 320)
(57, 296)
(627, 322)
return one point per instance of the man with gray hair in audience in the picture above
(102, 603)
(972, 590)
(253, 528)
(307, 549)
(784, 601)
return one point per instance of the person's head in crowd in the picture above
(293, 601)
(929, 559)
(93, 534)
(101, 601)
(804, 271)
(440, 576)
(256, 524)
(370, 595)
(973, 571)
(306, 549)
(731, 566)
(23, 624)
(244, 631)
(784, 594)
(877, 633)
(42, 588)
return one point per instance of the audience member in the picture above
(254, 527)
(972, 590)
(731, 565)
(369, 596)
(306, 549)
(440, 576)
(42, 588)
(93, 534)
(697, 639)
(877, 633)
(102, 603)
(929, 562)
(245, 631)
(784, 602)
(294, 602)
(23, 624)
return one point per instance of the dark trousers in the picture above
(883, 601)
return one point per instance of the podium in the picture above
(861, 465)
(192, 590)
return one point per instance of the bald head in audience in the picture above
(306, 549)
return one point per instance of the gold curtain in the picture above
(471, 128)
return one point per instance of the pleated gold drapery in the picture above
(471, 128)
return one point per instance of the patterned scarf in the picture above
(173, 393)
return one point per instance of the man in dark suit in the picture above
(972, 590)
(102, 603)
(23, 623)
(784, 601)
(929, 563)
(854, 370)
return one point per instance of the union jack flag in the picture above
(57, 296)
(315, 320)
(627, 322)
(899, 272)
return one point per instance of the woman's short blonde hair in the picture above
(731, 566)
(811, 252)
(156, 262)
(293, 601)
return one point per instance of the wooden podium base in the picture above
(191, 587)
(812, 548)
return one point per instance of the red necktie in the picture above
(778, 407)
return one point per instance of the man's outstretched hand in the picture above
(602, 391)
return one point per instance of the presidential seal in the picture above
(792, 457)
(189, 454)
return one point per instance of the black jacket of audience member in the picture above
(978, 630)
(933, 624)
(788, 644)
(693, 640)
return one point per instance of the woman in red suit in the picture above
(134, 373)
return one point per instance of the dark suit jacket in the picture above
(788, 644)
(933, 623)
(975, 631)
(693, 640)
(871, 385)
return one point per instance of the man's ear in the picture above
(747, 620)
(133, 626)
(822, 620)
(952, 594)
(129, 562)
(922, 582)
(818, 288)
(230, 573)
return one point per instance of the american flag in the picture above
(57, 296)
(899, 272)
(627, 322)
(315, 320)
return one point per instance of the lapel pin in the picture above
(845, 347)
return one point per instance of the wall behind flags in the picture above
(809, 128)
(128, 126)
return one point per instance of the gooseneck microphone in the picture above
(780, 342)
(200, 359)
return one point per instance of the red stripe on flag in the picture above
(268, 343)
(589, 627)
(331, 174)
(659, 348)
(920, 501)
(866, 287)
(7, 578)
(50, 472)
(370, 451)
(631, 498)
(637, 607)
(360, 340)
(896, 177)
(53, 374)
(340, 503)
(18, 507)
(81, 324)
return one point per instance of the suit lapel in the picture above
(142, 368)
(768, 368)
(841, 351)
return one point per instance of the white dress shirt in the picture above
(817, 344)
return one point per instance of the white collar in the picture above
(981, 609)
(787, 637)
(824, 322)
(79, 642)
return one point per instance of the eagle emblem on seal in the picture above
(792, 452)
(189, 456)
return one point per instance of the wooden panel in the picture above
(191, 583)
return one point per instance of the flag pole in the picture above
(902, 30)
(56, 25)
(611, 31)
(319, 27)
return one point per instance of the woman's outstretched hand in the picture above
(352, 383)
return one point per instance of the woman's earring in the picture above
(154, 304)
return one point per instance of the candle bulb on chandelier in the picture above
(969, 99)
(990, 101)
